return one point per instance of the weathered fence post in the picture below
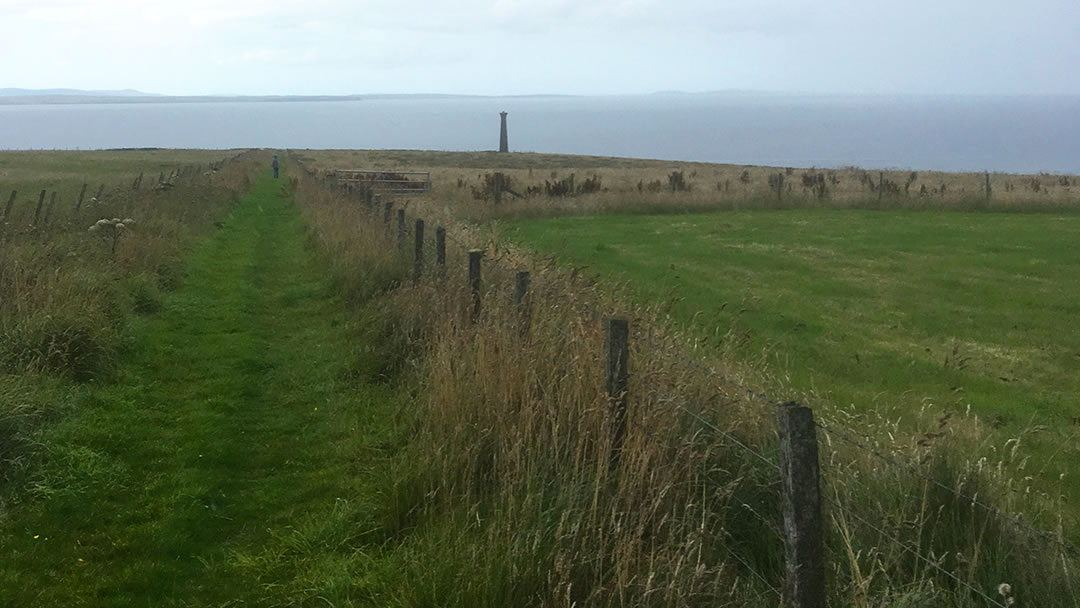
(474, 282)
(10, 202)
(779, 187)
(82, 194)
(48, 210)
(100, 191)
(37, 211)
(418, 261)
(138, 182)
(988, 191)
(881, 186)
(804, 565)
(617, 372)
(497, 187)
(522, 304)
(388, 209)
(400, 228)
(440, 251)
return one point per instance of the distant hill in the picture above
(11, 92)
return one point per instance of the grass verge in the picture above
(231, 458)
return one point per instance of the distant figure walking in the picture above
(276, 165)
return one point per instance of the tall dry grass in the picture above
(645, 186)
(506, 493)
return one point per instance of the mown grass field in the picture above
(884, 312)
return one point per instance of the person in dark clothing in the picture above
(275, 166)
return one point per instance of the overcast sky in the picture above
(496, 47)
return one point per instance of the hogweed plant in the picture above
(110, 231)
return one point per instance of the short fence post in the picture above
(804, 565)
(418, 263)
(497, 187)
(522, 304)
(474, 282)
(37, 211)
(440, 251)
(10, 202)
(988, 191)
(82, 194)
(48, 210)
(881, 186)
(100, 191)
(779, 187)
(388, 209)
(617, 372)
(401, 228)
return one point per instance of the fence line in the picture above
(45, 213)
(802, 533)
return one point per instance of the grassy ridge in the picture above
(232, 458)
(560, 185)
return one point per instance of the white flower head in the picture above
(120, 226)
(95, 228)
(102, 222)
(129, 221)
(116, 220)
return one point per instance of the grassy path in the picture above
(230, 463)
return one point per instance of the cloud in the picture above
(317, 46)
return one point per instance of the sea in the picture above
(1019, 134)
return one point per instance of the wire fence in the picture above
(781, 461)
(51, 208)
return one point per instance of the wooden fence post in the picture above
(400, 228)
(440, 251)
(100, 191)
(37, 211)
(82, 194)
(48, 210)
(988, 191)
(804, 564)
(522, 304)
(497, 187)
(474, 282)
(10, 202)
(418, 262)
(617, 372)
(388, 209)
(881, 186)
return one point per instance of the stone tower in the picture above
(504, 143)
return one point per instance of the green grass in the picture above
(885, 311)
(231, 460)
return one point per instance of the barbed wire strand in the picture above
(914, 552)
(1046, 535)
(753, 571)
